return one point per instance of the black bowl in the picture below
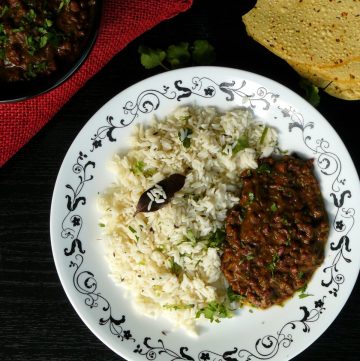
(26, 89)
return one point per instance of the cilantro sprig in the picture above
(302, 292)
(200, 52)
(214, 310)
(217, 238)
(311, 92)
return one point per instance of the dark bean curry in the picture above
(275, 236)
(36, 37)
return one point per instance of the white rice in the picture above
(142, 249)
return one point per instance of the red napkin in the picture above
(123, 21)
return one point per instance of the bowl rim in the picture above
(33, 88)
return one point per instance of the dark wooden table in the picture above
(37, 320)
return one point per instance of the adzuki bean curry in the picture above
(37, 36)
(275, 236)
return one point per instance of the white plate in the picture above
(278, 333)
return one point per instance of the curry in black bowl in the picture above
(43, 42)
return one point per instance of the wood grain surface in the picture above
(37, 320)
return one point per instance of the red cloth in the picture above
(123, 21)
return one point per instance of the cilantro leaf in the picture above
(311, 92)
(213, 311)
(180, 306)
(302, 292)
(264, 168)
(241, 144)
(234, 297)
(138, 167)
(43, 41)
(185, 136)
(251, 196)
(273, 264)
(190, 236)
(304, 295)
(217, 238)
(273, 207)
(175, 268)
(263, 135)
(151, 58)
(178, 55)
(203, 53)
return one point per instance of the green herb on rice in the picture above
(180, 306)
(217, 238)
(241, 144)
(191, 236)
(138, 167)
(214, 310)
(132, 230)
(263, 135)
(185, 136)
(175, 268)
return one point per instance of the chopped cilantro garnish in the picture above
(311, 92)
(31, 44)
(43, 41)
(190, 236)
(138, 167)
(178, 307)
(264, 168)
(213, 311)
(302, 292)
(251, 197)
(174, 267)
(185, 136)
(18, 30)
(304, 295)
(48, 23)
(217, 238)
(4, 11)
(263, 135)
(272, 265)
(273, 207)
(234, 297)
(132, 230)
(64, 3)
(288, 241)
(241, 144)
(101, 225)
(31, 15)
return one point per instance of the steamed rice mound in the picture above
(164, 259)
